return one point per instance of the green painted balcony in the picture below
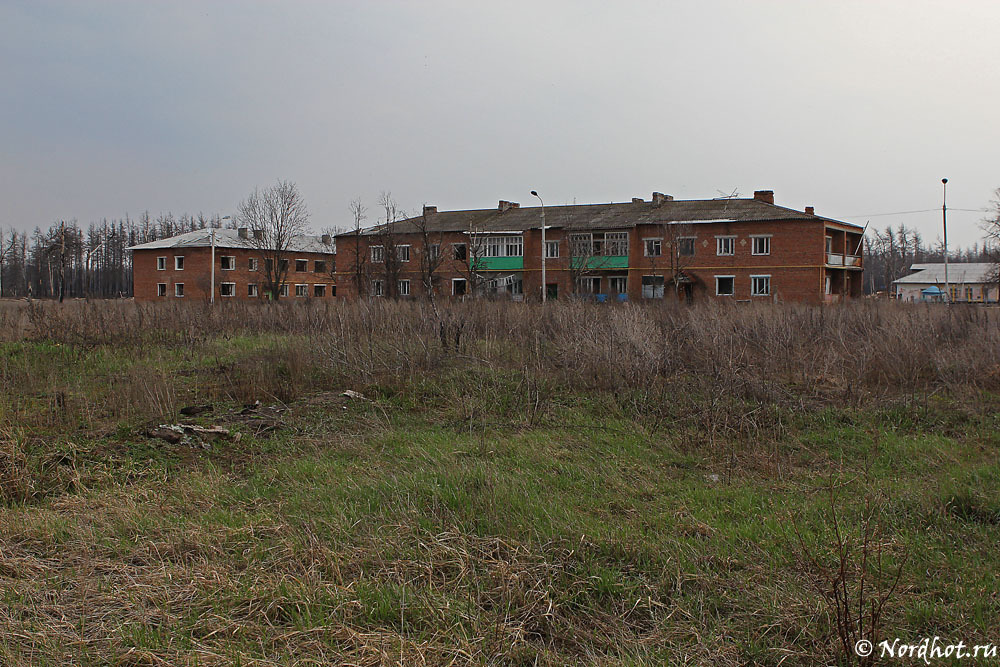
(498, 264)
(602, 262)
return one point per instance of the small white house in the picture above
(967, 283)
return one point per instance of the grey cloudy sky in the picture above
(856, 107)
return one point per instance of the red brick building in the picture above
(735, 249)
(180, 267)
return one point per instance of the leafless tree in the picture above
(388, 264)
(678, 241)
(991, 243)
(274, 216)
(473, 265)
(359, 213)
(431, 254)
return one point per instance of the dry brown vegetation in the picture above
(528, 485)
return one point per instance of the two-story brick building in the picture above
(180, 267)
(738, 249)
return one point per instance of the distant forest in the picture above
(92, 262)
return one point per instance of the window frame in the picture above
(179, 265)
(462, 256)
(319, 266)
(754, 238)
(179, 293)
(682, 240)
(319, 291)
(252, 291)
(222, 290)
(304, 263)
(232, 262)
(724, 277)
(301, 287)
(283, 291)
(252, 264)
(401, 255)
(766, 277)
(646, 243)
(378, 287)
(549, 245)
(161, 263)
(161, 289)
(400, 290)
(614, 279)
(720, 240)
(376, 253)
(653, 287)
(464, 283)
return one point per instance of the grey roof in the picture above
(230, 238)
(605, 216)
(958, 273)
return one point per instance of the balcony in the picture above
(843, 260)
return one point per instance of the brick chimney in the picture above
(507, 205)
(766, 196)
(327, 239)
(659, 198)
(258, 234)
(430, 210)
(810, 210)
(242, 231)
(637, 200)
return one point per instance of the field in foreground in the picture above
(574, 485)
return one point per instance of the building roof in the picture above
(604, 216)
(230, 238)
(958, 273)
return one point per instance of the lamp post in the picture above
(543, 244)
(211, 296)
(944, 222)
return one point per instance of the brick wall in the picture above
(196, 274)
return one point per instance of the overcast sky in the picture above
(855, 107)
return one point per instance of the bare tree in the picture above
(274, 216)
(431, 254)
(991, 243)
(387, 261)
(359, 213)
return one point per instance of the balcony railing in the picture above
(843, 260)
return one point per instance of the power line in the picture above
(926, 210)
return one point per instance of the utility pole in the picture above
(544, 286)
(944, 222)
(211, 298)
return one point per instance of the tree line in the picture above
(68, 260)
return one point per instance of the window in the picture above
(227, 289)
(319, 290)
(725, 285)
(283, 290)
(178, 289)
(968, 294)
(228, 262)
(588, 285)
(685, 246)
(458, 286)
(652, 247)
(283, 266)
(461, 252)
(319, 266)
(829, 245)
(376, 288)
(761, 245)
(616, 244)
(268, 264)
(378, 254)
(434, 251)
(652, 287)
(161, 289)
(404, 288)
(504, 246)
(302, 290)
(333, 290)
(953, 293)
(551, 249)
(161, 263)
(760, 285)
(581, 245)
(252, 264)
(403, 253)
(179, 262)
(725, 245)
(252, 290)
(618, 284)
(301, 265)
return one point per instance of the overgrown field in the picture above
(573, 484)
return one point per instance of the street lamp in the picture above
(543, 244)
(211, 295)
(944, 222)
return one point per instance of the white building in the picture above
(967, 283)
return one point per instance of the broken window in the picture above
(179, 262)
(725, 285)
(319, 290)
(685, 246)
(653, 247)
(227, 289)
(252, 264)
(161, 289)
(458, 286)
(760, 285)
(251, 290)
(403, 253)
(301, 265)
(652, 287)
(227, 262)
(461, 251)
(178, 289)
(725, 245)
(319, 266)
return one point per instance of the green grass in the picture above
(456, 519)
